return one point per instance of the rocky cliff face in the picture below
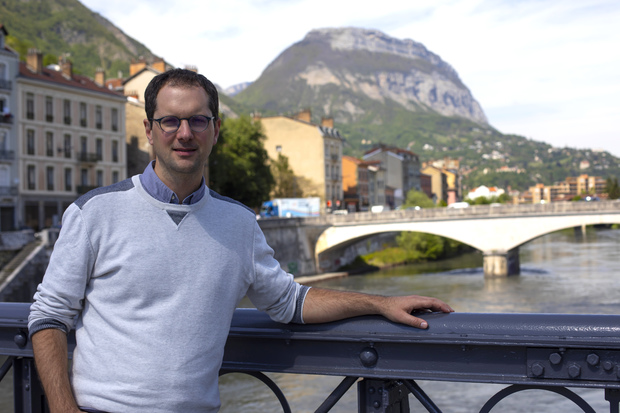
(342, 71)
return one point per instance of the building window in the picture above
(67, 110)
(50, 178)
(30, 178)
(30, 142)
(68, 179)
(49, 109)
(29, 106)
(99, 148)
(83, 144)
(114, 119)
(99, 178)
(67, 148)
(84, 177)
(98, 117)
(114, 151)
(83, 121)
(49, 144)
(114, 177)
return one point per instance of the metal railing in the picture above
(548, 352)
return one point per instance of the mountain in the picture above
(58, 27)
(381, 89)
(235, 89)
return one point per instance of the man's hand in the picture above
(399, 309)
(324, 305)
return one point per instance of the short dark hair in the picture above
(181, 78)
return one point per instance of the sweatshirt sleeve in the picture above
(60, 296)
(274, 290)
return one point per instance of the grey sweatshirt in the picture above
(151, 288)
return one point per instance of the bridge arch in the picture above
(496, 236)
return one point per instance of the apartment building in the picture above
(439, 183)
(402, 170)
(70, 138)
(363, 184)
(314, 152)
(9, 176)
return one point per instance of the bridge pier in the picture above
(501, 263)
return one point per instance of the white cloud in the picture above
(543, 69)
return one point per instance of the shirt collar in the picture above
(158, 190)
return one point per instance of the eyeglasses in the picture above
(197, 123)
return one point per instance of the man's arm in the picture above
(324, 305)
(51, 358)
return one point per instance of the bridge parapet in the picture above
(474, 211)
(530, 351)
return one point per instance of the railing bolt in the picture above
(593, 359)
(555, 358)
(21, 340)
(538, 369)
(608, 365)
(574, 371)
(369, 357)
(617, 371)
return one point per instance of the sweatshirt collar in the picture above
(158, 190)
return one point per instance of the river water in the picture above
(563, 272)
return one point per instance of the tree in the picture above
(612, 188)
(417, 198)
(286, 183)
(239, 164)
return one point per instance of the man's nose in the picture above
(184, 131)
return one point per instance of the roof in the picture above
(57, 77)
(385, 148)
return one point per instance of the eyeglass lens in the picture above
(197, 123)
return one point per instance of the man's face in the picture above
(181, 154)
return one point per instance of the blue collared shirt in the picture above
(158, 190)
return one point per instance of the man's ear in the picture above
(148, 130)
(216, 126)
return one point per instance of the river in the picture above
(563, 272)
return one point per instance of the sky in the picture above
(548, 70)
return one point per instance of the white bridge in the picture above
(497, 230)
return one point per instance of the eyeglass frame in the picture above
(209, 119)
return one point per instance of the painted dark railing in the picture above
(549, 352)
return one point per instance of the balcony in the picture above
(6, 118)
(8, 190)
(67, 120)
(7, 155)
(6, 84)
(49, 118)
(88, 157)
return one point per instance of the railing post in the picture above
(382, 396)
(613, 397)
(27, 390)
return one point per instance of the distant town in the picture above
(63, 134)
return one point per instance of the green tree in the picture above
(417, 198)
(612, 188)
(286, 183)
(239, 164)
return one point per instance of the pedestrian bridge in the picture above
(497, 231)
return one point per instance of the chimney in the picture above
(327, 122)
(159, 65)
(34, 60)
(100, 77)
(305, 115)
(136, 66)
(66, 67)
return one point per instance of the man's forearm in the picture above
(325, 305)
(51, 358)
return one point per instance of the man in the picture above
(149, 272)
